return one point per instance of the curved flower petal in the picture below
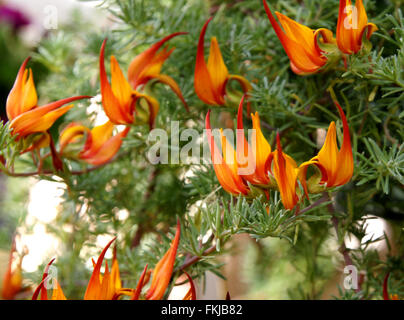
(352, 23)
(101, 147)
(118, 113)
(204, 84)
(163, 270)
(41, 118)
(70, 134)
(298, 42)
(217, 70)
(96, 289)
(173, 85)
(230, 182)
(284, 170)
(138, 290)
(191, 294)
(23, 96)
(141, 65)
(335, 165)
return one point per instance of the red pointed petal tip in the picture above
(164, 269)
(10, 114)
(343, 118)
(209, 135)
(200, 52)
(206, 25)
(279, 32)
(207, 120)
(191, 294)
(103, 73)
(24, 64)
(228, 296)
(96, 272)
(278, 144)
(211, 140)
(104, 251)
(139, 286)
(240, 113)
(159, 43)
(41, 289)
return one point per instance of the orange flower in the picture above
(162, 274)
(12, 281)
(164, 269)
(226, 167)
(301, 43)
(336, 166)
(284, 170)
(252, 158)
(210, 78)
(109, 286)
(39, 141)
(118, 98)
(147, 66)
(100, 146)
(352, 25)
(22, 110)
(100, 287)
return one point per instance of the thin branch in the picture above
(194, 259)
(323, 199)
(342, 249)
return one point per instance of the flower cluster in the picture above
(249, 168)
(108, 286)
(124, 102)
(312, 51)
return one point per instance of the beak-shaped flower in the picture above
(301, 43)
(101, 287)
(210, 78)
(336, 166)
(226, 168)
(118, 98)
(164, 269)
(252, 158)
(22, 110)
(147, 66)
(100, 146)
(352, 25)
(105, 286)
(284, 169)
(12, 281)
